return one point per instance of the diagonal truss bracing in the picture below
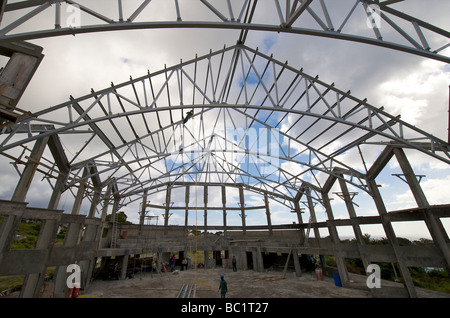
(253, 120)
(381, 23)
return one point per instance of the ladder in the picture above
(114, 231)
(186, 291)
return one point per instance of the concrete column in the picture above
(414, 185)
(103, 215)
(255, 260)
(224, 204)
(27, 175)
(433, 227)
(298, 270)
(87, 266)
(126, 256)
(205, 215)
(166, 214)
(142, 214)
(80, 194)
(242, 203)
(106, 203)
(242, 260)
(259, 260)
(298, 211)
(352, 213)
(390, 234)
(94, 203)
(71, 240)
(33, 282)
(206, 257)
(57, 191)
(436, 231)
(10, 223)
(312, 212)
(186, 211)
(342, 268)
(269, 221)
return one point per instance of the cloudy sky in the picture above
(411, 86)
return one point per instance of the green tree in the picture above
(121, 218)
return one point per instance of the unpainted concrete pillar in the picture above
(167, 210)
(224, 204)
(352, 213)
(26, 178)
(186, 211)
(390, 234)
(80, 194)
(432, 224)
(298, 269)
(298, 211)
(206, 258)
(94, 203)
(91, 234)
(205, 215)
(33, 282)
(259, 260)
(243, 216)
(71, 239)
(12, 214)
(269, 220)
(142, 214)
(125, 259)
(242, 260)
(340, 261)
(57, 191)
(255, 259)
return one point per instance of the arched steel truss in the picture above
(388, 27)
(255, 123)
(231, 118)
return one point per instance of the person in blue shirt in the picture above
(223, 286)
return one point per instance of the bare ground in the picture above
(241, 284)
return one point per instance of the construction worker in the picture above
(223, 286)
(233, 261)
(188, 116)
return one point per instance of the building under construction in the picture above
(220, 142)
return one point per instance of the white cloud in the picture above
(405, 84)
(435, 189)
(419, 95)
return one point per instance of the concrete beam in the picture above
(414, 185)
(380, 162)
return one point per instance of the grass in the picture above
(11, 283)
(437, 280)
(28, 233)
